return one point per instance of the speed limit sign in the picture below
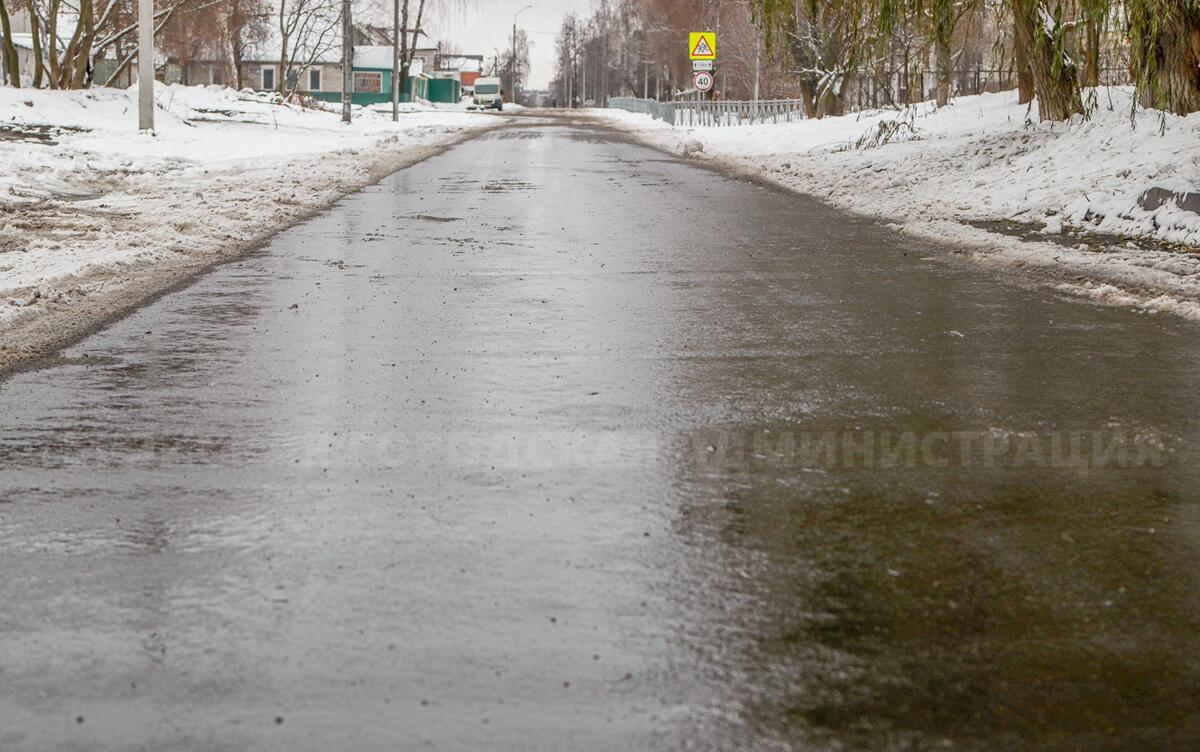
(702, 81)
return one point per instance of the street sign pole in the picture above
(146, 65)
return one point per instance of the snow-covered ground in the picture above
(88, 204)
(988, 158)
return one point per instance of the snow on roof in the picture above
(24, 41)
(268, 52)
(461, 63)
(373, 56)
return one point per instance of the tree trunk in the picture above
(82, 67)
(832, 103)
(1054, 82)
(1021, 63)
(809, 96)
(1091, 74)
(52, 36)
(70, 56)
(407, 51)
(406, 54)
(280, 74)
(12, 64)
(232, 60)
(284, 38)
(1167, 63)
(943, 70)
(39, 63)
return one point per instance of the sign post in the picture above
(702, 49)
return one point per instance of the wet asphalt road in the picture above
(521, 449)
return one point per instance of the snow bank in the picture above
(987, 158)
(88, 203)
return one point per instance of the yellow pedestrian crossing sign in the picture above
(702, 45)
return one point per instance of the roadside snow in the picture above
(986, 158)
(88, 203)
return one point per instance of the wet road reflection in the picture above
(551, 442)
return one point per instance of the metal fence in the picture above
(707, 113)
(898, 88)
(664, 111)
(732, 112)
(886, 89)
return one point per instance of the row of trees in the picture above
(107, 30)
(298, 33)
(829, 52)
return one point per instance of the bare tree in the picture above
(307, 30)
(245, 25)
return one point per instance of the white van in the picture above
(488, 93)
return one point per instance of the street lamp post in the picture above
(512, 76)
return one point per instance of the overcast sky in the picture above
(487, 27)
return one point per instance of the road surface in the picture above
(553, 442)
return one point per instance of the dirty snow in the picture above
(87, 202)
(988, 158)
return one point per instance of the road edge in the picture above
(30, 343)
(1012, 258)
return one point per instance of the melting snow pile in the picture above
(87, 202)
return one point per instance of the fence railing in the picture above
(664, 111)
(866, 92)
(871, 90)
(732, 112)
(708, 113)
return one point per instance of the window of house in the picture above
(314, 79)
(366, 82)
(268, 78)
(218, 76)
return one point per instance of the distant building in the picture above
(466, 68)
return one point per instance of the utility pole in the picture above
(347, 60)
(602, 96)
(146, 65)
(396, 31)
(512, 61)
